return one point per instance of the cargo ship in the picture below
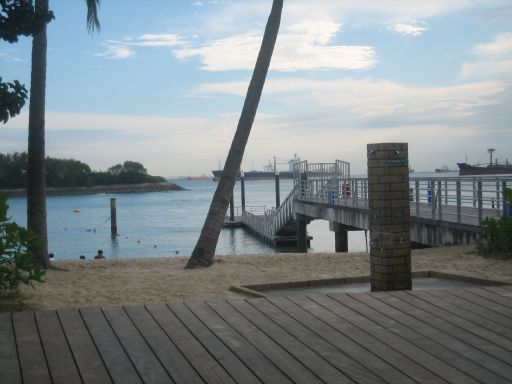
(493, 168)
(268, 172)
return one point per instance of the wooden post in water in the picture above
(278, 198)
(113, 218)
(242, 189)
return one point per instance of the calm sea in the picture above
(161, 223)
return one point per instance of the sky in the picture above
(163, 82)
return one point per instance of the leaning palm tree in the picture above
(204, 251)
(36, 174)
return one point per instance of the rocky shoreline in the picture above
(99, 189)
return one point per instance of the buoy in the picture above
(76, 210)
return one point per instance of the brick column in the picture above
(389, 214)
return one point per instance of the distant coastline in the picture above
(99, 189)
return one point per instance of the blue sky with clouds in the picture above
(163, 82)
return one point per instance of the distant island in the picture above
(72, 177)
(99, 189)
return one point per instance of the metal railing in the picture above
(455, 199)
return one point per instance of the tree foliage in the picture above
(497, 233)
(16, 264)
(20, 17)
(71, 173)
(12, 99)
(17, 18)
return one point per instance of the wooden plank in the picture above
(504, 302)
(352, 369)
(170, 357)
(485, 299)
(325, 371)
(116, 361)
(502, 290)
(58, 355)
(297, 372)
(455, 306)
(10, 372)
(462, 356)
(377, 357)
(142, 357)
(86, 355)
(231, 363)
(473, 307)
(205, 365)
(420, 309)
(263, 368)
(486, 334)
(30, 352)
(428, 368)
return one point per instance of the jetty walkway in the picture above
(443, 210)
(459, 335)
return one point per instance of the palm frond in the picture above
(93, 23)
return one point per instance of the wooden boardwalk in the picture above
(434, 336)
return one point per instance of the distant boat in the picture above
(493, 168)
(444, 169)
(195, 178)
(268, 172)
(255, 175)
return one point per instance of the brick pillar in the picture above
(389, 214)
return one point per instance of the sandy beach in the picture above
(158, 280)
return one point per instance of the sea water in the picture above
(159, 224)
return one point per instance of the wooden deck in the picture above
(435, 336)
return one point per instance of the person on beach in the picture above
(99, 255)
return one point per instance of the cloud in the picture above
(124, 49)
(491, 60)
(407, 29)
(152, 40)
(116, 52)
(373, 99)
(303, 46)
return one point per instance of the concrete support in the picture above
(302, 234)
(341, 241)
(340, 236)
(389, 216)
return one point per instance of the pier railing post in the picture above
(480, 202)
(232, 207)
(417, 197)
(389, 216)
(113, 218)
(242, 189)
(505, 206)
(439, 200)
(278, 197)
(459, 201)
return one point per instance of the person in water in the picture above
(100, 255)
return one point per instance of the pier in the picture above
(443, 210)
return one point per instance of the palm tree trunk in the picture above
(36, 184)
(204, 251)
